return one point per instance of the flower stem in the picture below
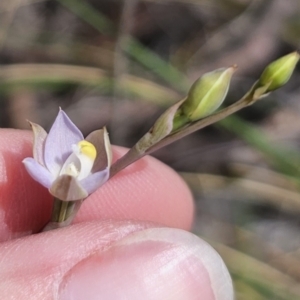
(134, 154)
(130, 157)
(63, 213)
(242, 103)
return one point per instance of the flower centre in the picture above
(80, 163)
(86, 148)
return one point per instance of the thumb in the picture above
(112, 260)
(156, 263)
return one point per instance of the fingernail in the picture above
(158, 263)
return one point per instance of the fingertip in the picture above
(24, 204)
(147, 190)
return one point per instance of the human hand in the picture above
(128, 240)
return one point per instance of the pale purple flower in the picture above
(70, 166)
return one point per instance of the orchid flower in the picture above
(70, 166)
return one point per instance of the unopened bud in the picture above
(207, 93)
(205, 96)
(278, 72)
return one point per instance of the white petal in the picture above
(71, 166)
(86, 162)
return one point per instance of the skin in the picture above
(130, 239)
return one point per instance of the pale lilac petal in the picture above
(38, 172)
(94, 181)
(67, 188)
(39, 139)
(63, 134)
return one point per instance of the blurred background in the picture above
(121, 63)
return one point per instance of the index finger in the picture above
(148, 190)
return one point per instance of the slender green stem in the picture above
(63, 213)
(242, 103)
(133, 154)
(130, 157)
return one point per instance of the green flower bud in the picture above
(278, 72)
(207, 94)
